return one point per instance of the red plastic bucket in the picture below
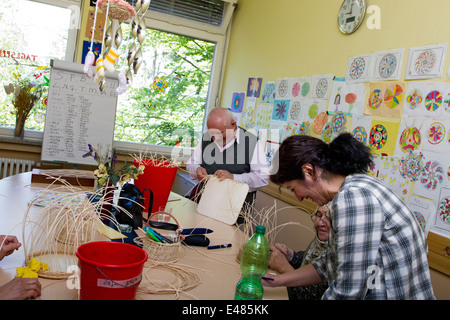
(110, 270)
(158, 176)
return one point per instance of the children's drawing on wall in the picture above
(385, 99)
(345, 97)
(248, 114)
(424, 210)
(433, 176)
(431, 99)
(426, 62)
(319, 122)
(435, 132)
(360, 128)
(254, 87)
(387, 64)
(409, 134)
(296, 110)
(442, 220)
(359, 69)
(268, 93)
(99, 25)
(280, 110)
(263, 116)
(412, 165)
(96, 49)
(321, 86)
(299, 87)
(338, 123)
(390, 175)
(383, 136)
(237, 102)
(282, 89)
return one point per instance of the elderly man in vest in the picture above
(228, 151)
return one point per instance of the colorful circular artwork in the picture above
(436, 133)
(39, 116)
(393, 96)
(378, 136)
(432, 175)
(425, 62)
(410, 139)
(411, 166)
(357, 68)
(283, 88)
(237, 102)
(360, 134)
(295, 89)
(375, 99)
(159, 84)
(444, 210)
(433, 100)
(420, 218)
(305, 89)
(387, 65)
(321, 88)
(338, 122)
(319, 122)
(294, 111)
(414, 99)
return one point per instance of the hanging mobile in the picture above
(90, 57)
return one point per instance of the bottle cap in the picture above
(260, 229)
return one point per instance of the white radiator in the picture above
(9, 167)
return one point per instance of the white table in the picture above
(218, 269)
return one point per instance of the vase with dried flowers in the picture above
(106, 172)
(108, 176)
(27, 93)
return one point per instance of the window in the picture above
(27, 44)
(184, 49)
(166, 103)
(185, 53)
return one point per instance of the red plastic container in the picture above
(110, 270)
(158, 176)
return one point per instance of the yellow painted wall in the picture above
(293, 38)
(276, 39)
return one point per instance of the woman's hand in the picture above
(279, 258)
(8, 244)
(20, 289)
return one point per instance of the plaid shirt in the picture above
(376, 248)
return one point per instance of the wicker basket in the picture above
(160, 252)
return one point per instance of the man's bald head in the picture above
(221, 125)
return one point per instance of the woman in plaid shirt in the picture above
(376, 248)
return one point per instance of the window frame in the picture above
(168, 23)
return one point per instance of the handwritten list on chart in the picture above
(78, 114)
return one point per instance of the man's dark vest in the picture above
(235, 159)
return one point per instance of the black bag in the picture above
(131, 199)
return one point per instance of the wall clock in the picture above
(351, 15)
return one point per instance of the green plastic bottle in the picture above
(254, 262)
